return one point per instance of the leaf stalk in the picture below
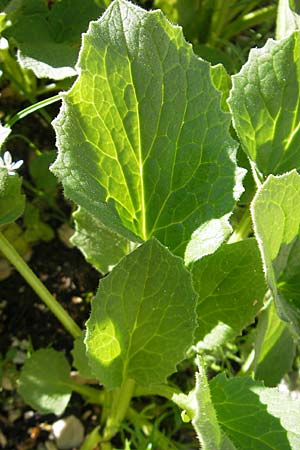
(250, 20)
(91, 394)
(18, 262)
(32, 108)
(120, 405)
(243, 229)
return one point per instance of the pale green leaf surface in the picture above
(249, 414)
(265, 105)
(286, 408)
(219, 335)
(287, 20)
(276, 219)
(44, 381)
(142, 319)
(274, 348)
(101, 247)
(49, 40)
(230, 286)
(143, 142)
(12, 202)
(207, 239)
(80, 358)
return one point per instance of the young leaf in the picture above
(205, 419)
(12, 202)
(276, 218)
(142, 319)
(143, 142)
(39, 172)
(49, 39)
(274, 348)
(44, 381)
(35, 229)
(222, 81)
(254, 417)
(207, 239)
(265, 108)
(230, 284)
(101, 247)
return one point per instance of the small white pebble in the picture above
(68, 432)
(28, 414)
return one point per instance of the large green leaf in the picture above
(276, 218)
(274, 348)
(255, 417)
(265, 105)
(230, 285)
(12, 202)
(45, 381)
(49, 39)
(142, 319)
(101, 247)
(143, 143)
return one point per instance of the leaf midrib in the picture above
(139, 149)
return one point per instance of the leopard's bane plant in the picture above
(145, 151)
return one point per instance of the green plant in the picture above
(145, 150)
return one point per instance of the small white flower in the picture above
(6, 163)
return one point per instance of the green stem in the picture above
(60, 313)
(161, 441)
(29, 97)
(91, 440)
(169, 392)
(243, 229)
(219, 19)
(250, 20)
(91, 394)
(162, 390)
(47, 89)
(246, 367)
(117, 413)
(32, 108)
(106, 445)
(24, 138)
(241, 8)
